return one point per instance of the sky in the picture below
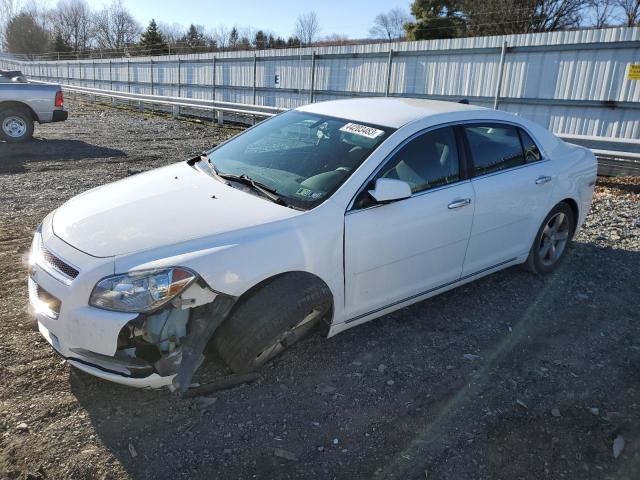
(353, 18)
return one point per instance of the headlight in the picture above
(140, 291)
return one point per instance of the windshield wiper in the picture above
(265, 190)
(261, 188)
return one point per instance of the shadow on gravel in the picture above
(457, 385)
(14, 156)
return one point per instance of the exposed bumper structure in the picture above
(109, 368)
(141, 350)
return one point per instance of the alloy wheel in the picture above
(554, 239)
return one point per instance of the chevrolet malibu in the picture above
(336, 212)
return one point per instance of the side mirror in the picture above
(389, 190)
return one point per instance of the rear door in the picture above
(512, 184)
(397, 251)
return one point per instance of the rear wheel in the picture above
(16, 125)
(272, 319)
(551, 242)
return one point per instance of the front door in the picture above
(400, 250)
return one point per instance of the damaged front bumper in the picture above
(163, 348)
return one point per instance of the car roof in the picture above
(385, 111)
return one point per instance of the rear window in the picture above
(494, 147)
(531, 150)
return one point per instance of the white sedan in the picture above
(336, 212)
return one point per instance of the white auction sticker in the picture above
(362, 130)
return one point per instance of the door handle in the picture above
(463, 202)
(542, 179)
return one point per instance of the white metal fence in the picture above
(575, 83)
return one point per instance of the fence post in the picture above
(93, 66)
(389, 62)
(152, 92)
(129, 75)
(255, 65)
(218, 115)
(313, 76)
(503, 53)
(179, 78)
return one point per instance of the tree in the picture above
(631, 11)
(336, 39)
(115, 27)
(152, 41)
(8, 10)
(244, 43)
(234, 37)
(172, 33)
(551, 15)
(260, 41)
(601, 12)
(293, 41)
(277, 42)
(73, 19)
(59, 45)
(194, 39)
(307, 28)
(390, 25)
(221, 36)
(435, 19)
(24, 35)
(454, 18)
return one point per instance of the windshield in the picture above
(302, 157)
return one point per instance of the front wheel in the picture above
(16, 125)
(272, 319)
(552, 240)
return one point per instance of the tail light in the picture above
(59, 98)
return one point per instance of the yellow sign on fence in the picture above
(634, 72)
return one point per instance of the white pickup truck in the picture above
(23, 103)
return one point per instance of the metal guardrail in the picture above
(615, 156)
(219, 108)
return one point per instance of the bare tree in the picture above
(631, 11)
(171, 32)
(307, 27)
(336, 39)
(40, 11)
(73, 19)
(390, 25)
(115, 27)
(601, 12)
(221, 35)
(553, 15)
(8, 10)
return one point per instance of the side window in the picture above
(531, 151)
(494, 147)
(428, 161)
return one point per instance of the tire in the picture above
(16, 124)
(552, 240)
(272, 319)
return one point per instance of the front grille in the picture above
(57, 264)
(43, 300)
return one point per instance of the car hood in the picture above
(159, 208)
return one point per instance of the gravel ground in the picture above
(512, 376)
